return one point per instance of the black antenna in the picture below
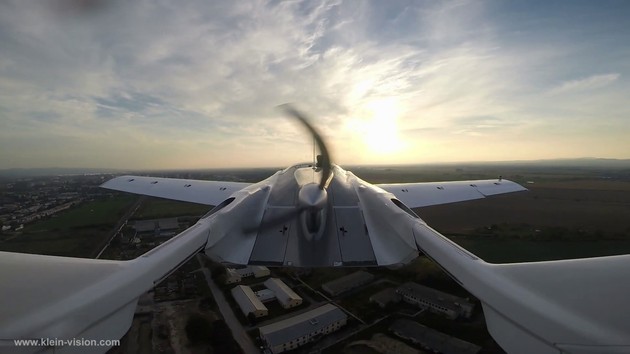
(326, 164)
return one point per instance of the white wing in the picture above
(72, 298)
(570, 306)
(186, 190)
(416, 195)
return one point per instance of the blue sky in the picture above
(193, 84)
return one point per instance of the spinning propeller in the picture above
(312, 198)
(323, 160)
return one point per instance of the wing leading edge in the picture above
(416, 195)
(185, 190)
(569, 306)
(63, 298)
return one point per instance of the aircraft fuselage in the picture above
(288, 220)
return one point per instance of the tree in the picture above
(220, 332)
(198, 329)
(218, 271)
(222, 340)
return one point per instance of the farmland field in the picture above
(73, 232)
(155, 208)
(90, 214)
(553, 220)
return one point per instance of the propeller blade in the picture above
(325, 161)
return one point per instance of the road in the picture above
(119, 226)
(329, 300)
(238, 332)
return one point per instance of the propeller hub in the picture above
(312, 196)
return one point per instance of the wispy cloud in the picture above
(588, 83)
(158, 84)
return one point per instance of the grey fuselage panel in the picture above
(284, 234)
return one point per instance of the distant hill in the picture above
(578, 162)
(586, 162)
(54, 171)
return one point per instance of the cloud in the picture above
(194, 84)
(585, 84)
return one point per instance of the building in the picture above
(286, 297)
(431, 339)
(248, 302)
(265, 295)
(236, 275)
(347, 283)
(232, 276)
(152, 225)
(385, 297)
(298, 330)
(435, 301)
(158, 227)
(255, 271)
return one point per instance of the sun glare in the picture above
(380, 130)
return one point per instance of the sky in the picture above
(195, 84)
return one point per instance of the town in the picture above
(25, 200)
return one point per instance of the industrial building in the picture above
(431, 339)
(435, 301)
(347, 283)
(265, 295)
(298, 330)
(232, 276)
(385, 297)
(156, 225)
(248, 302)
(255, 271)
(286, 297)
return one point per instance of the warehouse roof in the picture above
(303, 324)
(431, 338)
(283, 292)
(437, 297)
(247, 300)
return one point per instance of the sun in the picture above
(380, 129)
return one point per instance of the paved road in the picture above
(238, 332)
(119, 226)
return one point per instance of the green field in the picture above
(155, 208)
(90, 214)
(510, 250)
(71, 243)
(75, 232)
